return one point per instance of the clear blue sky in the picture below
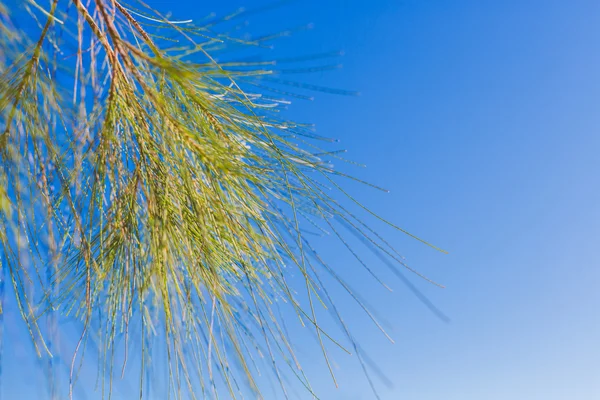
(482, 118)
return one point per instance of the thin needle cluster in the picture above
(149, 190)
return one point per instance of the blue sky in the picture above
(481, 118)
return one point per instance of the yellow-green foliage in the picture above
(147, 181)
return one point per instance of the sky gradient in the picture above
(481, 118)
